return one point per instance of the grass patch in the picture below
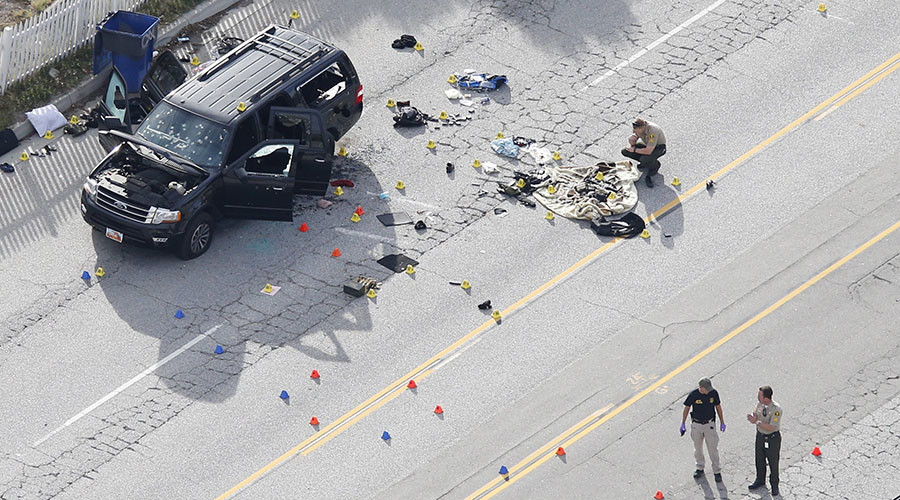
(39, 89)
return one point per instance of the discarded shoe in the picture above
(449, 167)
(525, 201)
(485, 305)
(6, 167)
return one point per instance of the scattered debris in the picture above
(397, 262)
(490, 168)
(342, 182)
(404, 42)
(505, 147)
(324, 203)
(270, 290)
(6, 167)
(449, 167)
(710, 185)
(589, 192)
(628, 226)
(394, 219)
(453, 94)
(501, 212)
(480, 81)
(485, 305)
(361, 286)
(420, 225)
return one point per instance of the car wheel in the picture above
(197, 237)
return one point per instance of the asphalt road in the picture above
(107, 395)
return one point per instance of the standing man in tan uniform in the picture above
(646, 145)
(767, 418)
(703, 404)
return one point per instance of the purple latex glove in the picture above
(682, 429)
(722, 427)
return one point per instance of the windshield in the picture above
(193, 137)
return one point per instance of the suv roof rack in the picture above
(250, 71)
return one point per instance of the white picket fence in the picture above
(43, 39)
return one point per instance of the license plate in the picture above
(114, 235)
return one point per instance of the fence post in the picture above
(5, 49)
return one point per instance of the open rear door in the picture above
(307, 127)
(165, 75)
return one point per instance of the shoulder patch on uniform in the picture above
(711, 400)
(699, 402)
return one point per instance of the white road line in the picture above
(654, 44)
(128, 384)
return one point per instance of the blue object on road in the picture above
(503, 470)
(179, 314)
(481, 81)
(126, 39)
(219, 350)
(505, 147)
(86, 276)
(386, 436)
(284, 395)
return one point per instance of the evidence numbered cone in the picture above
(359, 210)
(504, 472)
(431, 145)
(23, 156)
(314, 374)
(342, 152)
(465, 285)
(241, 107)
(390, 103)
(400, 185)
(179, 314)
(219, 349)
(195, 61)
(371, 293)
(295, 14)
(338, 191)
(676, 181)
(284, 395)
(86, 276)
(419, 46)
(557, 156)
(354, 217)
(500, 135)
(551, 189)
(549, 215)
(659, 495)
(100, 272)
(496, 315)
(411, 384)
(645, 234)
(520, 183)
(452, 79)
(444, 116)
(336, 252)
(268, 288)
(476, 163)
(385, 436)
(560, 452)
(303, 228)
(438, 410)
(410, 269)
(314, 421)
(816, 451)
(822, 8)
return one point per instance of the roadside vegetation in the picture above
(59, 78)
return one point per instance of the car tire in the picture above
(197, 237)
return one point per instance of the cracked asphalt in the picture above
(89, 414)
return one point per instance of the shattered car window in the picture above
(195, 138)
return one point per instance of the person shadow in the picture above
(711, 490)
(665, 213)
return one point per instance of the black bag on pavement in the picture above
(629, 225)
(8, 141)
(409, 117)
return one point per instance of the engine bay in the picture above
(144, 180)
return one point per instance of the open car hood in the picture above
(168, 154)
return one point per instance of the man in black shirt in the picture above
(703, 404)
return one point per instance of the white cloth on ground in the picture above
(46, 118)
(579, 195)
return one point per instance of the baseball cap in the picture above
(706, 384)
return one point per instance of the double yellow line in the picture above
(579, 430)
(595, 420)
(397, 387)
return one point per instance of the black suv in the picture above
(236, 140)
